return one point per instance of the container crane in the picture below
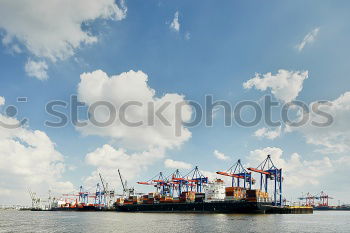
(195, 178)
(268, 171)
(239, 172)
(176, 181)
(309, 199)
(108, 194)
(159, 182)
(83, 196)
(99, 199)
(324, 199)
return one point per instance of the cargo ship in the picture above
(213, 197)
(216, 199)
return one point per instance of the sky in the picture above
(170, 52)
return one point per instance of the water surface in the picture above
(32, 221)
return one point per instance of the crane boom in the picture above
(103, 183)
(121, 179)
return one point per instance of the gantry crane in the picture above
(239, 172)
(268, 171)
(322, 198)
(176, 181)
(159, 182)
(195, 179)
(99, 197)
(83, 196)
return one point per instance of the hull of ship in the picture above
(85, 208)
(209, 207)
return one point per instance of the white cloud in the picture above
(220, 155)
(336, 137)
(285, 85)
(296, 171)
(187, 36)
(169, 163)
(29, 159)
(175, 24)
(308, 39)
(107, 160)
(269, 134)
(36, 69)
(2, 100)
(54, 29)
(133, 86)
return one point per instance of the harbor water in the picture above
(56, 221)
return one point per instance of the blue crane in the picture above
(268, 171)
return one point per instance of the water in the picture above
(30, 221)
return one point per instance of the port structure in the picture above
(176, 182)
(83, 196)
(238, 172)
(192, 181)
(268, 171)
(321, 199)
(100, 200)
(159, 182)
(195, 179)
(126, 190)
(36, 201)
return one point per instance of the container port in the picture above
(191, 192)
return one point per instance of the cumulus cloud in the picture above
(296, 171)
(175, 24)
(285, 85)
(308, 39)
(334, 138)
(54, 29)
(107, 160)
(220, 156)
(133, 86)
(267, 133)
(36, 69)
(29, 159)
(169, 163)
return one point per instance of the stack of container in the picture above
(234, 193)
(199, 197)
(256, 195)
(251, 195)
(188, 196)
(165, 199)
(120, 201)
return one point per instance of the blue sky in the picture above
(218, 47)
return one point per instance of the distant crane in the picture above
(108, 194)
(126, 191)
(83, 196)
(311, 200)
(36, 201)
(324, 199)
(99, 198)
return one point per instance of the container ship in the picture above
(193, 193)
(216, 198)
